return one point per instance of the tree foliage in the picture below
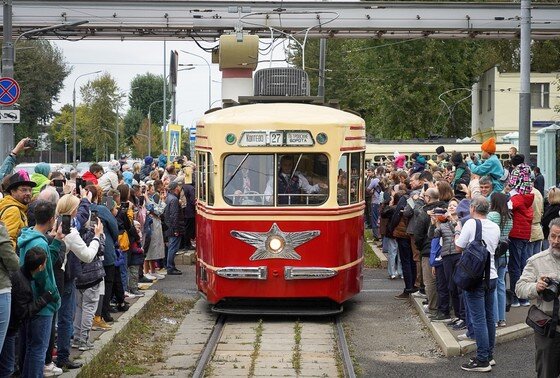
(139, 141)
(414, 88)
(145, 90)
(40, 71)
(96, 118)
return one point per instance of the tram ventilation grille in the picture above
(281, 81)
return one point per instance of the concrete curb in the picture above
(379, 253)
(117, 326)
(451, 347)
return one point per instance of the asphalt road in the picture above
(389, 340)
(387, 337)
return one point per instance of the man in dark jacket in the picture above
(175, 223)
(424, 243)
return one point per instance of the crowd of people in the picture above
(73, 249)
(425, 212)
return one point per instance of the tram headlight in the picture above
(275, 244)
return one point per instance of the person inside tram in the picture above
(291, 182)
(237, 186)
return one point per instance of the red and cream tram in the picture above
(280, 203)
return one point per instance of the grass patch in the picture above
(370, 258)
(296, 356)
(256, 348)
(142, 342)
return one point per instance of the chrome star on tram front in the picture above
(275, 243)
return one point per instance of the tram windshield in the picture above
(275, 179)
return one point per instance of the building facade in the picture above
(495, 104)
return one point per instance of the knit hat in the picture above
(114, 165)
(489, 146)
(43, 169)
(463, 208)
(148, 160)
(457, 158)
(440, 150)
(517, 159)
(128, 177)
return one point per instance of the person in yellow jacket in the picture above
(13, 207)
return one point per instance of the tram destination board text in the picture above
(276, 138)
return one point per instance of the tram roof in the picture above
(255, 115)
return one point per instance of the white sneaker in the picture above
(463, 337)
(51, 370)
(130, 295)
(418, 294)
(159, 276)
(150, 276)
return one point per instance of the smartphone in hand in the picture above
(66, 224)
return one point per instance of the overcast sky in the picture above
(125, 60)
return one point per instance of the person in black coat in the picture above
(175, 222)
(24, 304)
(551, 211)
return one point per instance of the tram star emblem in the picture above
(275, 243)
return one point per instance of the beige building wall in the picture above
(495, 104)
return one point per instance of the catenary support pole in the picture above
(525, 76)
(322, 61)
(7, 129)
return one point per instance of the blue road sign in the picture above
(9, 91)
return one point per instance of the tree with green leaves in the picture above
(96, 117)
(414, 88)
(145, 90)
(38, 91)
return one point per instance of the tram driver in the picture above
(291, 182)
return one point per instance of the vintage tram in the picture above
(280, 209)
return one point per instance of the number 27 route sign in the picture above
(9, 91)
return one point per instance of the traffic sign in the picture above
(9, 91)
(9, 116)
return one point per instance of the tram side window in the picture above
(301, 180)
(356, 177)
(201, 177)
(245, 179)
(342, 181)
(211, 180)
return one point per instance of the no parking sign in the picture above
(9, 91)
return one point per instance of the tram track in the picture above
(256, 347)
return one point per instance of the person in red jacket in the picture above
(95, 172)
(522, 211)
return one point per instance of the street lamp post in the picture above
(150, 126)
(81, 159)
(209, 76)
(65, 151)
(74, 115)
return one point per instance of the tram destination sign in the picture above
(276, 138)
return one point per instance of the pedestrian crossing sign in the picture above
(174, 138)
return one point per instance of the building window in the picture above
(489, 97)
(540, 95)
(480, 101)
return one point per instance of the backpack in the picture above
(474, 263)
(92, 272)
(435, 253)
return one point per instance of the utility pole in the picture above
(322, 61)
(7, 129)
(164, 120)
(525, 76)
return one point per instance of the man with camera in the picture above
(540, 280)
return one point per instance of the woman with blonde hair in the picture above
(79, 253)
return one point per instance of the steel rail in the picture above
(210, 347)
(347, 365)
